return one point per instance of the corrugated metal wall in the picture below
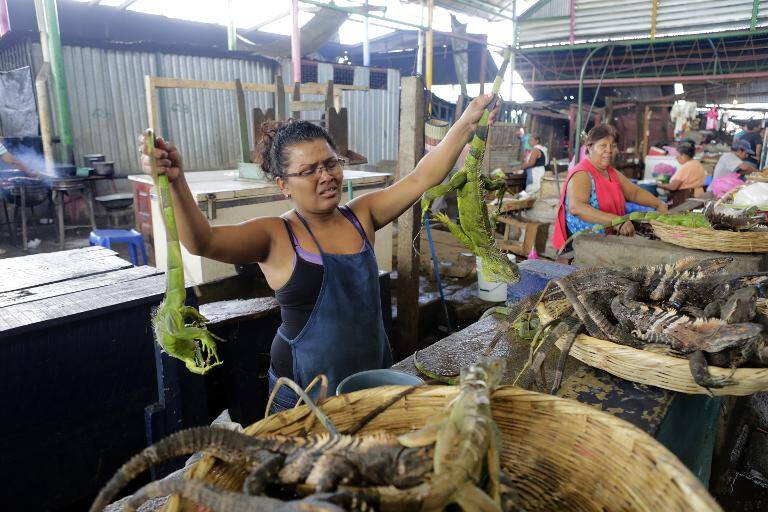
(108, 102)
(632, 18)
(15, 57)
(373, 114)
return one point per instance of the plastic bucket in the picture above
(374, 378)
(490, 291)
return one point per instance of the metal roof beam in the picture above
(126, 4)
(637, 42)
(650, 80)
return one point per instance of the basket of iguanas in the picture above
(719, 227)
(477, 446)
(690, 326)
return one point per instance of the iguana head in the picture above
(486, 371)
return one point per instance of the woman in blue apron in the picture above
(318, 257)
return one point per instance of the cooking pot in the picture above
(104, 168)
(89, 160)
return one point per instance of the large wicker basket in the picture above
(711, 239)
(662, 370)
(562, 455)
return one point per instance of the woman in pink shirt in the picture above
(688, 180)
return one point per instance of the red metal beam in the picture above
(651, 80)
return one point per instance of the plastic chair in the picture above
(107, 237)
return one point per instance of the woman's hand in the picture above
(662, 207)
(475, 109)
(627, 229)
(167, 158)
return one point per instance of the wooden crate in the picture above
(454, 260)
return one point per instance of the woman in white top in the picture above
(535, 164)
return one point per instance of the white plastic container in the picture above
(490, 291)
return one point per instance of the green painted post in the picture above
(755, 11)
(231, 30)
(349, 190)
(63, 116)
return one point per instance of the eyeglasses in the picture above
(332, 166)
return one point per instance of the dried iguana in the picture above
(687, 336)
(467, 445)
(474, 229)
(179, 329)
(321, 461)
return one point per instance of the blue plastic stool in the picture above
(107, 237)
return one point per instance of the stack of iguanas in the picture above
(453, 460)
(692, 308)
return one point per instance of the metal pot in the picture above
(89, 160)
(104, 168)
(5, 181)
(35, 190)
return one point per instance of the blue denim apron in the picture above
(345, 331)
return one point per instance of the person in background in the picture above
(688, 180)
(535, 164)
(731, 168)
(11, 160)
(755, 139)
(595, 193)
(735, 160)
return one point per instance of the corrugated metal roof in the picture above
(620, 19)
(491, 10)
(547, 9)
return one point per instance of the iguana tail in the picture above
(224, 444)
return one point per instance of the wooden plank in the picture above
(304, 106)
(74, 285)
(45, 313)
(35, 260)
(411, 149)
(27, 275)
(162, 82)
(237, 310)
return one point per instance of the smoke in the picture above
(33, 160)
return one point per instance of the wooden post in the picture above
(411, 149)
(242, 121)
(573, 130)
(296, 97)
(152, 109)
(280, 112)
(483, 59)
(329, 94)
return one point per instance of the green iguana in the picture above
(179, 329)
(474, 229)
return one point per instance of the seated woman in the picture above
(688, 180)
(595, 193)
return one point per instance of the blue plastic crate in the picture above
(534, 276)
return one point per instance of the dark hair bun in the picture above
(267, 133)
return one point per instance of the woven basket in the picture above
(662, 370)
(562, 455)
(711, 239)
